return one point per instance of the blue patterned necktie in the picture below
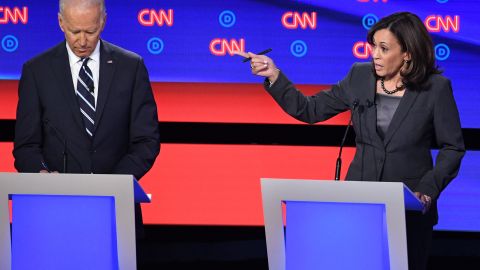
(86, 99)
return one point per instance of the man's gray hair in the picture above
(62, 3)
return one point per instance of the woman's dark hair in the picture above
(414, 38)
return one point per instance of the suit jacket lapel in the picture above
(107, 70)
(404, 107)
(61, 68)
(372, 110)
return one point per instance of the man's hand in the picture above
(45, 171)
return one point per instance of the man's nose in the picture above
(83, 39)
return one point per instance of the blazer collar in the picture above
(370, 103)
(107, 71)
(61, 69)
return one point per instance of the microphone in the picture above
(369, 103)
(338, 166)
(57, 134)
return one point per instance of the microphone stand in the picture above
(64, 156)
(338, 165)
(57, 135)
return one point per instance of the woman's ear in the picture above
(407, 57)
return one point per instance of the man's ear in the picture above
(104, 21)
(61, 22)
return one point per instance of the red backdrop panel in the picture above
(227, 103)
(8, 99)
(6, 157)
(220, 184)
(201, 102)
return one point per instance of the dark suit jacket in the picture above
(126, 138)
(423, 117)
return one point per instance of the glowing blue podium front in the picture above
(336, 224)
(68, 221)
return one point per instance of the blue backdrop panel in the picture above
(336, 236)
(78, 231)
(313, 42)
(459, 204)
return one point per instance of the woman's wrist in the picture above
(272, 79)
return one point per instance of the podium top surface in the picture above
(340, 191)
(71, 184)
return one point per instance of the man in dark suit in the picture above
(85, 105)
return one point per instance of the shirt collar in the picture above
(95, 56)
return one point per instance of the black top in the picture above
(386, 107)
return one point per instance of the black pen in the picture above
(260, 53)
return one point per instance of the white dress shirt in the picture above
(93, 64)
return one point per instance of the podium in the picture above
(336, 224)
(68, 221)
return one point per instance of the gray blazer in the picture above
(424, 118)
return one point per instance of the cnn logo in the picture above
(294, 20)
(221, 46)
(13, 15)
(151, 17)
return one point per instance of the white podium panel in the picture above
(336, 224)
(68, 221)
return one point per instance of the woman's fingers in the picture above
(426, 201)
(243, 54)
(259, 64)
